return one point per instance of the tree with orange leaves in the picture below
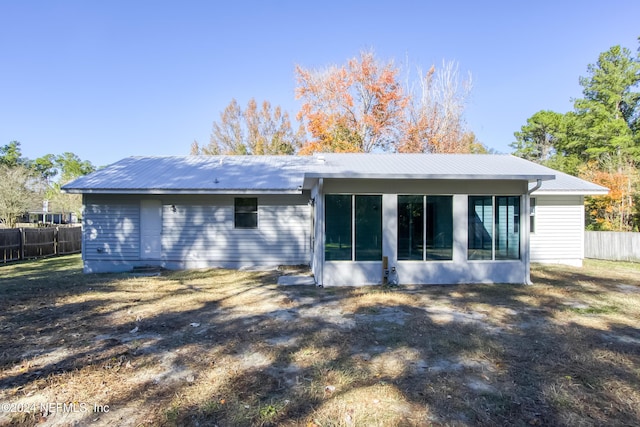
(614, 211)
(361, 107)
(354, 108)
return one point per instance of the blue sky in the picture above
(111, 79)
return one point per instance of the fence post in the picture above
(22, 243)
(56, 236)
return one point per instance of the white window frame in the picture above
(256, 212)
(532, 215)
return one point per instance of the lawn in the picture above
(233, 348)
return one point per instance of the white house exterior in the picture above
(354, 218)
(558, 218)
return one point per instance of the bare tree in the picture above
(227, 136)
(434, 120)
(269, 130)
(253, 131)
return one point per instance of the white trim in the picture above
(525, 250)
(320, 237)
(257, 212)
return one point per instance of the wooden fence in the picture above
(26, 243)
(612, 245)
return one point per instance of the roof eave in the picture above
(178, 191)
(460, 177)
(570, 192)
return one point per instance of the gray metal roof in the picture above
(286, 174)
(428, 166)
(567, 184)
(196, 174)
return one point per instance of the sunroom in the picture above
(435, 228)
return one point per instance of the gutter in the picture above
(535, 187)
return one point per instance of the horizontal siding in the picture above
(206, 233)
(111, 229)
(559, 229)
(199, 230)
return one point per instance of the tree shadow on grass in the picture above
(258, 354)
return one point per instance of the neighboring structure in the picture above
(48, 214)
(35, 217)
(426, 218)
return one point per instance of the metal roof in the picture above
(567, 184)
(428, 166)
(288, 174)
(196, 174)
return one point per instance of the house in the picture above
(35, 217)
(354, 218)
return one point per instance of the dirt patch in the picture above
(234, 348)
(628, 289)
(383, 314)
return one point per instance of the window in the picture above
(439, 235)
(337, 243)
(507, 229)
(494, 227)
(410, 227)
(350, 219)
(480, 227)
(368, 218)
(532, 215)
(425, 227)
(246, 212)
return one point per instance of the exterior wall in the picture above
(457, 270)
(110, 233)
(558, 237)
(198, 233)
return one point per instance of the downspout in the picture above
(525, 218)
(535, 187)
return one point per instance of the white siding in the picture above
(111, 229)
(197, 231)
(205, 234)
(559, 230)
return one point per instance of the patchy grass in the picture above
(233, 348)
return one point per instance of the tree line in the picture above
(363, 105)
(26, 183)
(368, 105)
(599, 140)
